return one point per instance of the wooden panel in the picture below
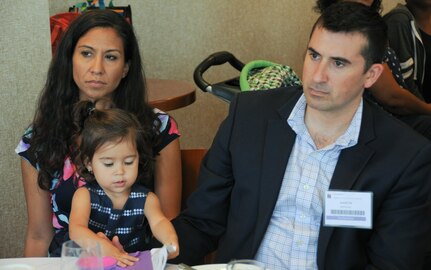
(190, 163)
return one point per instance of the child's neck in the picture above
(118, 199)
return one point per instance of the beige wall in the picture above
(24, 59)
(174, 36)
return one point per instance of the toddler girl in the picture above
(115, 159)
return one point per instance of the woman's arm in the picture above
(160, 226)
(39, 214)
(397, 100)
(167, 179)
(78, 228)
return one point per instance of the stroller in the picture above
(255, 75)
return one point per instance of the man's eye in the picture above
(313, 55)
(339, 63)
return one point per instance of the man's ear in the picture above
(372, 75)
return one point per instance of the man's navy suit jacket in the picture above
(241, 176)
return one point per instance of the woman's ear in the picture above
(126, 69)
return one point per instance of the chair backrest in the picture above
(190, 164)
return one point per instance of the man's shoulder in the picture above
(266, 103)
(271, 97)
(391, 130)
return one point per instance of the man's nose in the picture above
(321, 72)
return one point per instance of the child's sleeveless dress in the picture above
(127, 223)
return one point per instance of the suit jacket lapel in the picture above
(349, 166)
(278, 144)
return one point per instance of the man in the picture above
(318, 178)
(396, 90)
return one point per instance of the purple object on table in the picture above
(144, 262)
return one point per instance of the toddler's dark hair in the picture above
(95, 127)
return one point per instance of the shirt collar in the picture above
(348, 139)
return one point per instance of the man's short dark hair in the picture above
(350, 17)
(321, 5)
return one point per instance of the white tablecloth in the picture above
(44, 263)
(37, 263)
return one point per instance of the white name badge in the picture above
(348, 209)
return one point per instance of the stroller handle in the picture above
(217, 58)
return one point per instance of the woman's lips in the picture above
(96, 84)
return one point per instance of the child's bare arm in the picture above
(160, 226)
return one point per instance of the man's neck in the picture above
(325, 128)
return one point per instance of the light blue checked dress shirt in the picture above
(290, 241)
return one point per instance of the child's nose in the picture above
(120, 169)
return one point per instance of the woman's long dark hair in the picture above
(52, 126)
(321, 5)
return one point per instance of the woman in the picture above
(97, 58)
(393, 90)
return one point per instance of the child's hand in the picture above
(114, 249)
(115, 240)
(124, 259)
(173, 250)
